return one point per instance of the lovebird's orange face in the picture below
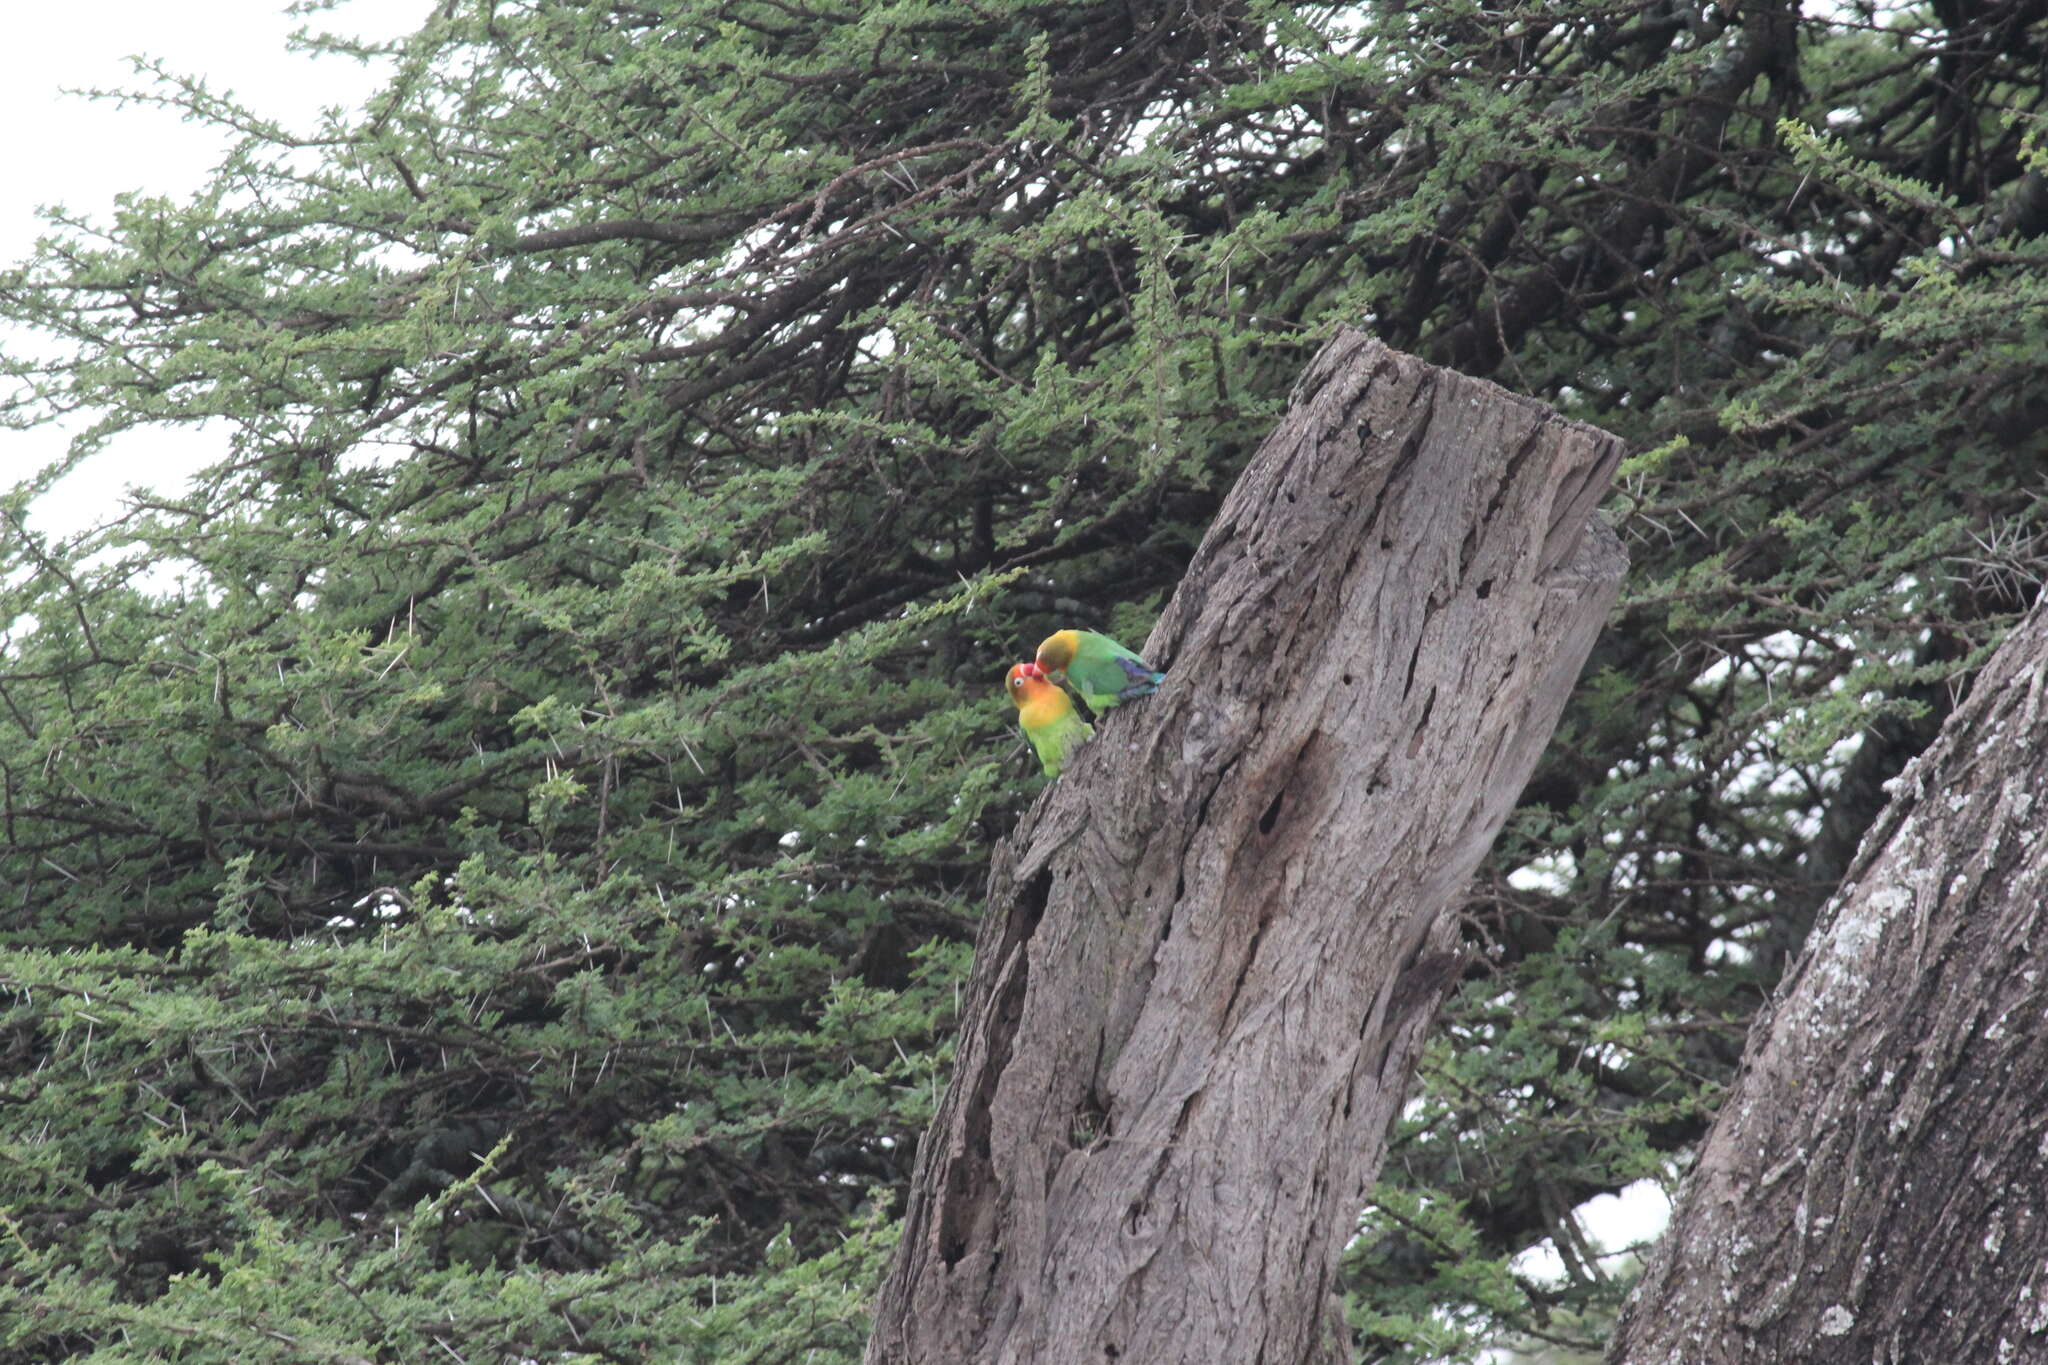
(1056, 652)
(1035, 697)
(1018, 681)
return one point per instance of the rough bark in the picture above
(1213, 948)
(1871, 1190)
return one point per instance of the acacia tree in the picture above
(510, 892)
(1868, 1191)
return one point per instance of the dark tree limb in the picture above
(1212, 951)
(1871, 1190)
(1765, 44)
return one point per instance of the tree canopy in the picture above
(489, 867)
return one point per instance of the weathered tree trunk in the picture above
(1873, 1188)
(1212, 950)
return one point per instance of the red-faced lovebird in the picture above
(1049, 719)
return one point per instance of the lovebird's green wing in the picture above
(1105, 673)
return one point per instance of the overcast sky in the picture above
(65, 149)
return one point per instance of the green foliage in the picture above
(489, 868)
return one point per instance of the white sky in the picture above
(79, 153)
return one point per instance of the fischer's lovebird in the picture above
(1099, 668)
(1050, 722)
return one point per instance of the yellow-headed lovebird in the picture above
(1049, 719)
(1099, 668)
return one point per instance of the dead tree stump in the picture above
(1212, 950)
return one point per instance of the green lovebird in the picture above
(1049, 719)
(1099, 668)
